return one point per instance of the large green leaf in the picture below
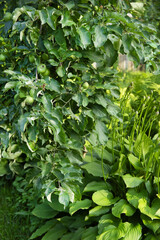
(89, 234)
(132, 182)
(122, 206)
(44, 211)
(84, 204)
(104, 198)
(100, 36)
(95, 186)
(111, 232)
(135, 232)
(96, 169)
(135, 162)
(154, 225)
(147, 210)
(98, 210)
(66, 19)
(133, 196)
(55, 233)
(43, 229)
(85, 36)
(64, 198)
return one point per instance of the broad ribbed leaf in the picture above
(90, 234)
(103, 198)
(133, 196)
(132, 182)
(147, 210)
(55, 233)
(44, 211)
(95, 168)
(123, 206)
(98, 210)
(95, 186)
(43, 229)
(154, 225)
(111, 232)
(135, 232)
(84, 204)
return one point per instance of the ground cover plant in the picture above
(69, 143)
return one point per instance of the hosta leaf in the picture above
(85, 36)
(43, 229)
(95, 168)
(132, 182)
(95, 186)
(135, 232)
(98, 210)
(3, 168)
(100, 36)
(111, 232)
(135, 162)
(101, 130)
(151, 237)
(154, 225)
(84, 204)
(89, 234)
(44, 211)
(133, 196)
(145, 209)
(55, 233)
(123, 207)
(103, 198)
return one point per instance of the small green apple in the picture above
(41, 68)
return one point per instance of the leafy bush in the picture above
(65, 141)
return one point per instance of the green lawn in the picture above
(12, 226)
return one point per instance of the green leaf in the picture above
(135, 162)
(122, 206)
(10, 85)
(55, 233)
(135, 232)
(98, 210)
(59, 37)
(3, 168)
(103, 198)
(89, 234)
(85, 37)
(66, 19)
(111, 232)
(84, 204)
(146, 210)
(52, 85)
(55, 204)
(95, 168)
(95, 186)
(154, 225)
(64, 198)
(61, 71)
(100, 36)
(4, 139)
(133, 196)
(132, 182)
(22, 122)
(44, 211)
(43, 229)
(101, 130)
(46, 100)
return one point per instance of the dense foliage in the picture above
(71, 147)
